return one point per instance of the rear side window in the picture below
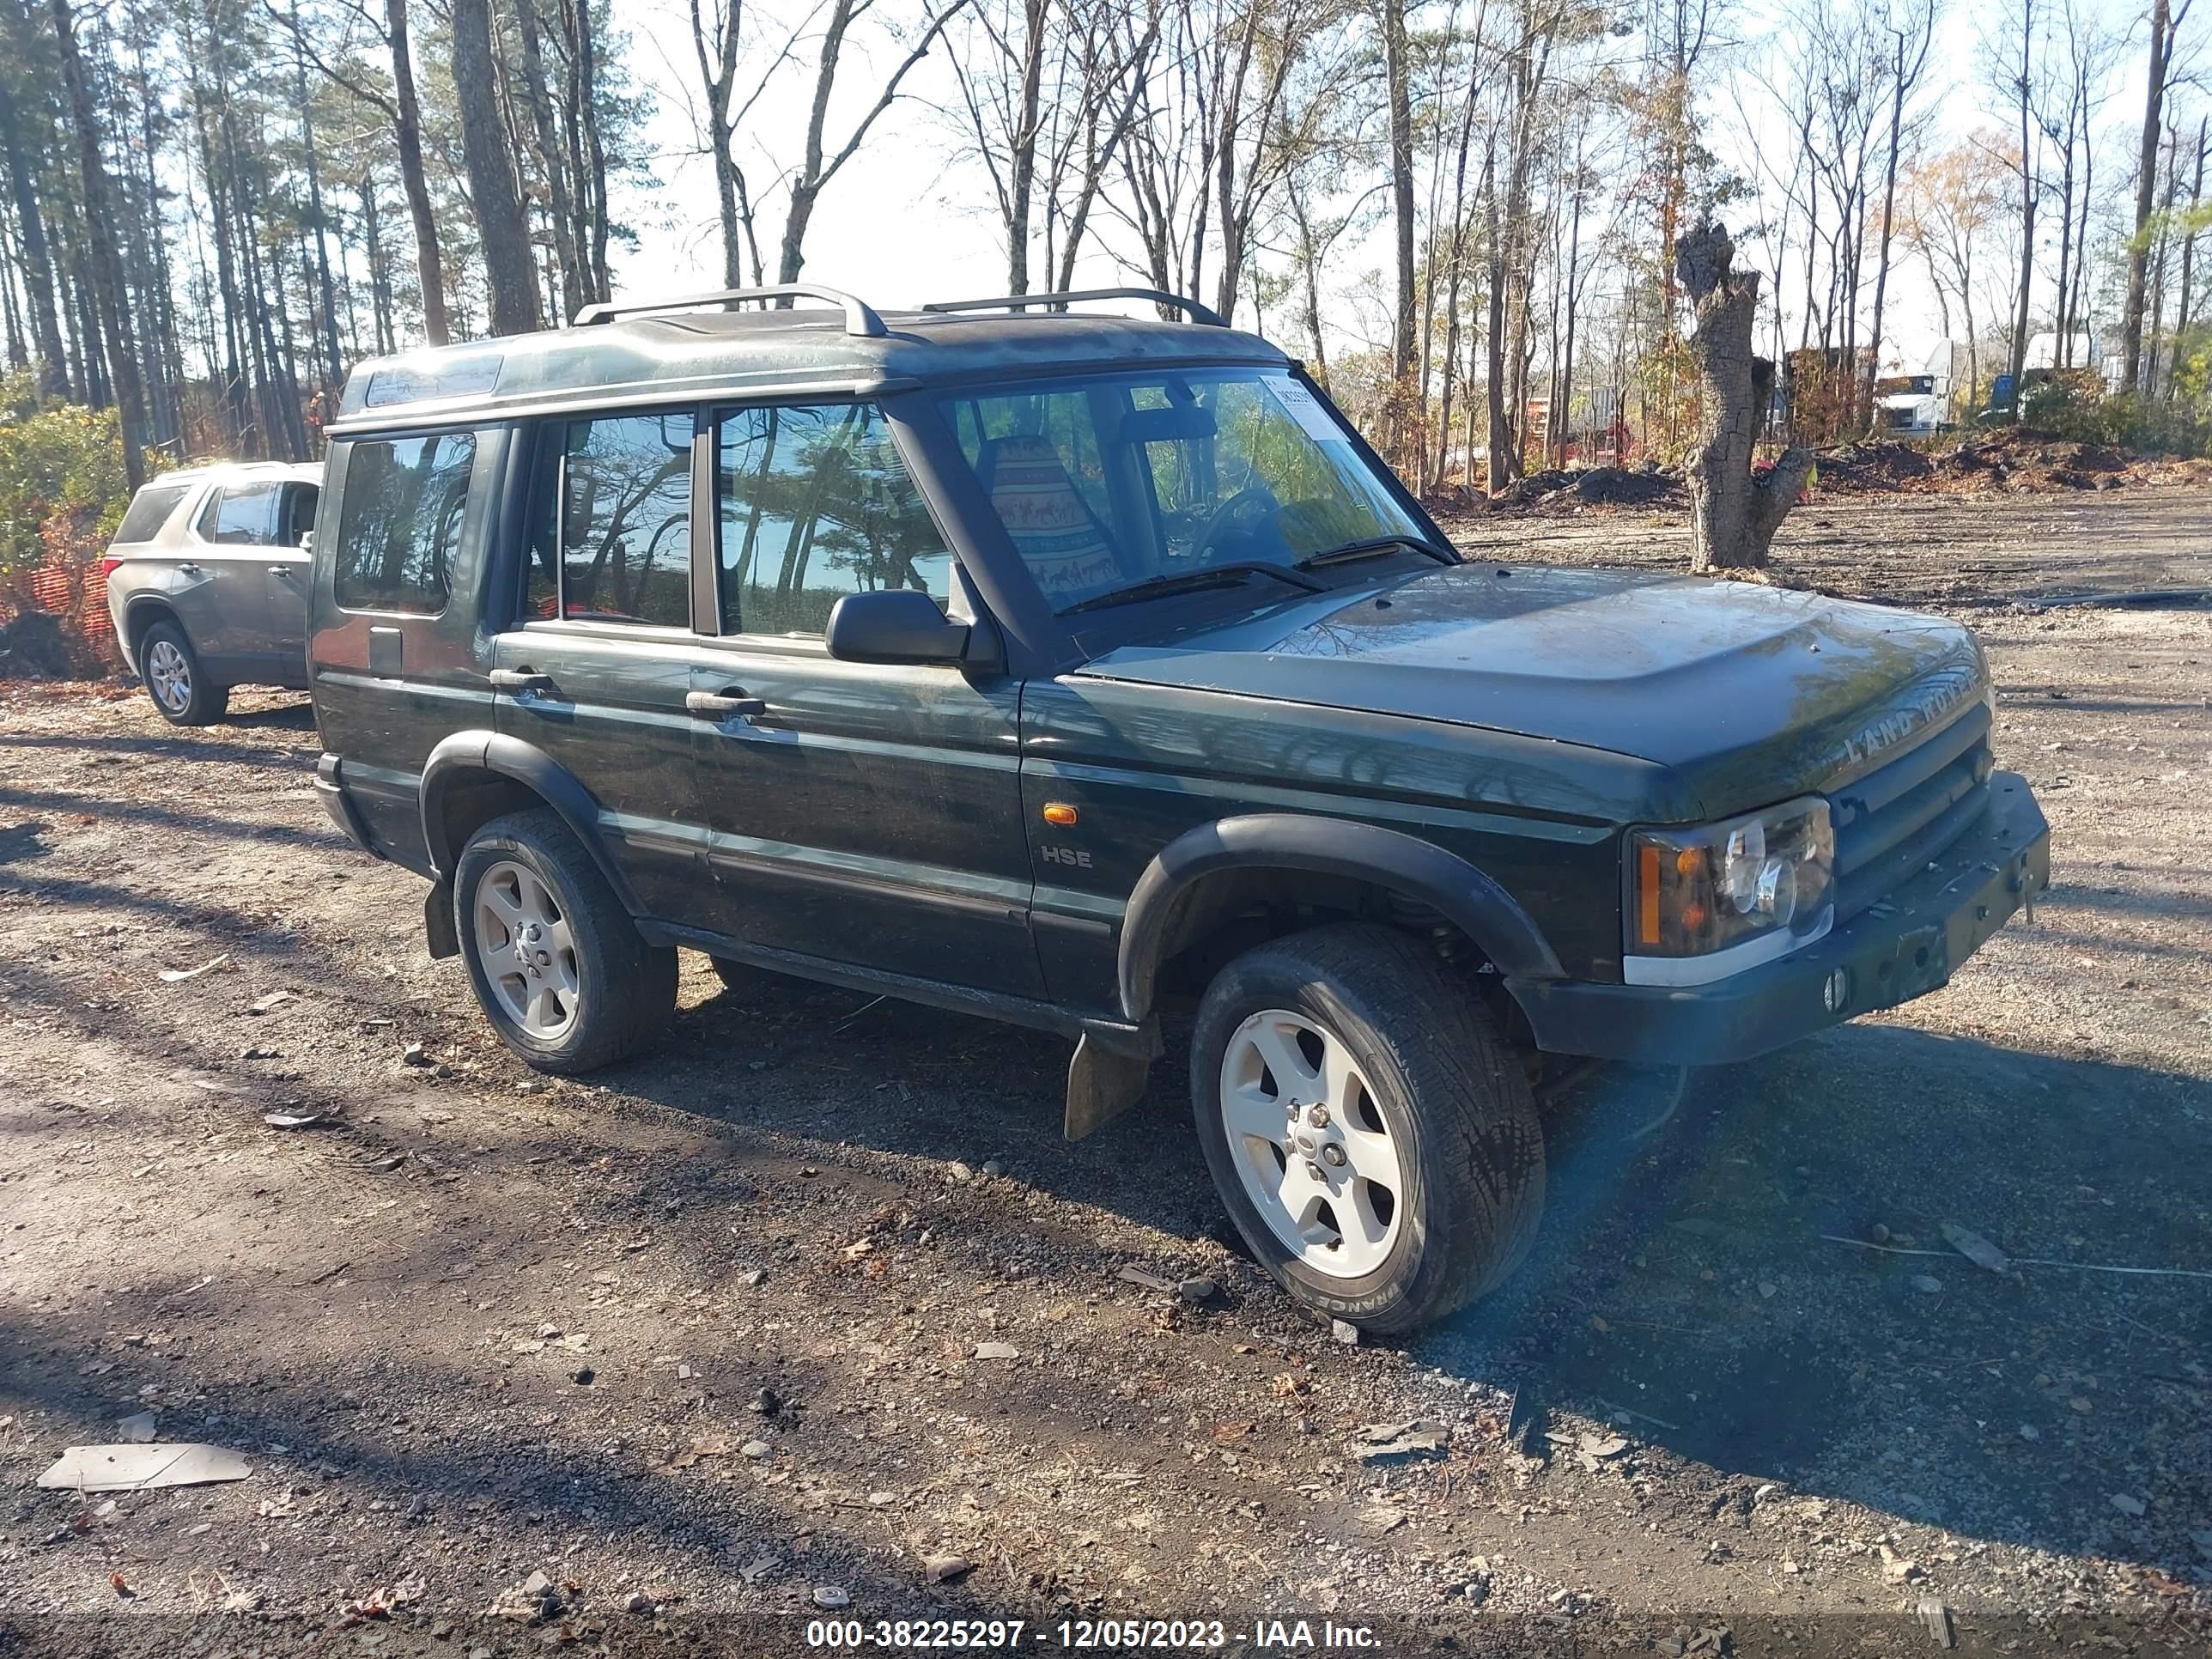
(623, 550)
(149, 510)
(243, 515)
(399, 523)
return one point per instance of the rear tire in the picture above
(175, 681)
(558, 966)
(1369, 1128)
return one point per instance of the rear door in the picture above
(865, 814)
(234, 536)
(597, 666)
(401, 573)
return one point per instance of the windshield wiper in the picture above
(1374, 548)
(1212, 575)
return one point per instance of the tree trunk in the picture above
(407, 133)
(37, 260)
(2184, 313)
(1733, 515)
(2027, 205)
(1398, 73)
(1899, 85)
(549, 151)
(1503, 463)
(107, 284)
(2131, 316)
(1021, 162)
(506, 232)
(334, 363)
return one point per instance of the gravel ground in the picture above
(815, 1304)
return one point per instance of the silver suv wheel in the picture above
(169, 676)
(528, 954)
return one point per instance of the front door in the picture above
(286, 578)
(864, 814)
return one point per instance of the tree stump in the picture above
(1733, 515)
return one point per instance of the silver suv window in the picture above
(243, 515)
(149, 510)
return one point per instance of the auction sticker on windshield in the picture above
(1301, 406)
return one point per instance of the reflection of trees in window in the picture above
(627, 517)
(819, 495)
(402, 521)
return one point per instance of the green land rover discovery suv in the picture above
(1077, 670)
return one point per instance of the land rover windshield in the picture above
(1117, 488)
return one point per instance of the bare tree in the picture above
(1048, 91)
(407, 129)
(819, 164)
(2165, 21)
(1911, 34)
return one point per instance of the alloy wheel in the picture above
(1311, 1147)
(528, 954)
(169, 673)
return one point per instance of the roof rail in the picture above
(861, 316)
(1198, 313)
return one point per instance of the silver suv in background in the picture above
(207, 583)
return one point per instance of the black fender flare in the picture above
(463, 753)
(1417, 869)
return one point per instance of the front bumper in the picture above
(1903, 947)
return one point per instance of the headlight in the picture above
(1752, 887)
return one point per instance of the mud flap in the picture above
(439, 930)
(1101, 1085)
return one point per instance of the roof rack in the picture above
(861, 316)
(1198, 312)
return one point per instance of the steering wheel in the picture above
(1237, 512)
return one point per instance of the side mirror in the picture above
(307, 542)
(894, 625)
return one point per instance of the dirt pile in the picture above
(1569, 489)
(2011, 458)
(35, 647)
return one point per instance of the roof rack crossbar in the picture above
(861, 316)
(1198, 313)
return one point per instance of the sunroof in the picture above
(405, 383)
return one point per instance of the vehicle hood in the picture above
(1748, 694)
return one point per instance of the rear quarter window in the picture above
(400, 522)
(149, 510)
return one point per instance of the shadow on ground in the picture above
(1686, 1285)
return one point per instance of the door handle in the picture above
(188, 568)
(522, 682)
(714, 706)
(280, 570)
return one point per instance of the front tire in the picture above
(175, 681)
(558, 966)
(1369, 1128)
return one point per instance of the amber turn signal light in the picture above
(1059, 812)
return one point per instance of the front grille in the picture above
(1893, 821)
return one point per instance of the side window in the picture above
(1039, 458)
(149, 510)
(298, 518)
(242, 515)
(815, 504)
(612, 537)
(399, 523)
